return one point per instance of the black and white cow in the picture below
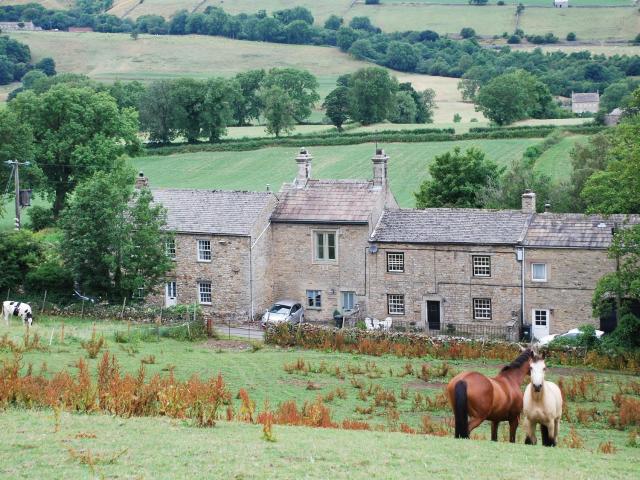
(17, 309)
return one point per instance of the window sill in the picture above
(203, 261)
(205, 303)
(395, 272)
(539, 281)
(481, 276)
(314, 308)
(396, 314)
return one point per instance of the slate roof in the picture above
(328, 201)
(574, 230)
(451, 226)
(589, 97)
(212, 211)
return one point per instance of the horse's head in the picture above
(538, 368)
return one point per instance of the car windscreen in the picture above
(281, 309)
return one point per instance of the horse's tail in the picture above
(460, 409)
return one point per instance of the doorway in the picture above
(540, 323)
(433, 314)
(170, 294)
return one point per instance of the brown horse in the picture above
(475, 398)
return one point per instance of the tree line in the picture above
(15, 61)
(411, 51)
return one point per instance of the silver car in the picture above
(283, 311)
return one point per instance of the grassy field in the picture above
(614, 23)
(253, 170)
(55, 4)
(236, 450)
(555, 161)
(109, 57)
(608, 50)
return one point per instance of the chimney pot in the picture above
(528, 202)
(304, 168)
(380, 160)
(141, 181)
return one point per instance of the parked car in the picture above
(571, 334)
(284, 311)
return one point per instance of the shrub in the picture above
(40, 217)
(51, 276)
(467, 32)
(94, 344)
(457, 118)
(571, 37)
(371, 2)
(500, 3)
(514, 39)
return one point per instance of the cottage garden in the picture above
(112, 398)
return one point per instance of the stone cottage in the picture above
(338, 244)
(585, 102)
(319, 233)
(221, 248)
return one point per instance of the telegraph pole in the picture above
(16, 175)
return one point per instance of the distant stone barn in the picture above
(585, 102)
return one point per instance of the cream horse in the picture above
(542, 404)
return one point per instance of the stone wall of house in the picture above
(262, 262)
(444, 273)
(572, 275)
(228, 271)
(294, 269)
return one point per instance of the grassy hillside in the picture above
(108, 57)
(236, 450)
(608, 50)
(253, 170)
(148, 446)
(556, 161)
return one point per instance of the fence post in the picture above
(82, 313)
(8, 293)
(124, 302)
(44, 300)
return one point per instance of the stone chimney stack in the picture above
(304, 168)
(141, 181)
(379, 161)
(528, 202)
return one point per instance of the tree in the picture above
(405, 111)
(457, 180)
(467, 32)
(77, 132)
(336, 106)
(47, 65)
(362, 23)
(371, 95)
(127, 94)
(362, 49)
(158, 112)
(401, 56)
(478, 2)
(623, 285)
(21, 253)
(301, 87)
(278, 111)
(247, 106)
(615, 190)
(298, 32)
(345, 37)
(513, 96)
(216, 111)
(291, 15)
(113, 237)
(333, 22)
(188, 96)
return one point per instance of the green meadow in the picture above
(96, 445)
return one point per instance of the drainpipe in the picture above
(521, 258)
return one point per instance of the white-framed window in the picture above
(395, 262)
(348, 301)
(481, 266)
(171, 289)
(482, 309)
(204, 250)
(395, 304)
(138, 293)
(170, 248)
(314, 299)
(325, 247)
(204, 292)
(539, 272)
(540, 317)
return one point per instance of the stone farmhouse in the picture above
(585, 102)
(345, 245)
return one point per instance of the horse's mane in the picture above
(517, 363)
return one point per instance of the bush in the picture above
(457, 118)
(40, 217)
(51, 276)
(627, 333)
(571, 37)
(372, 2)
(514, 39)
(500, 3)
(467, 32)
